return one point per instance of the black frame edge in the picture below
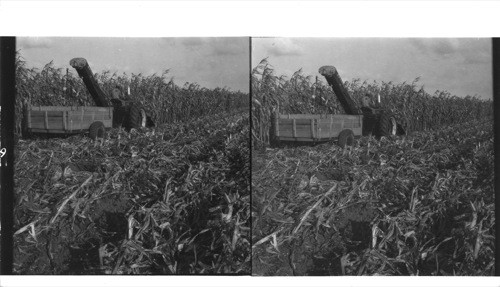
(7, 101)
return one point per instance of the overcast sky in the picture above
(210, 62)
(460, 66)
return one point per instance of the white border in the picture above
(250, 18)
(247, 18)
(146, 281)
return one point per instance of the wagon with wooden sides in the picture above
(316, 128)
(68, 120)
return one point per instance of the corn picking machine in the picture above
(109, 113)
(343, 128)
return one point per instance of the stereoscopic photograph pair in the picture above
(253, 156)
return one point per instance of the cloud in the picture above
(230, 46)
(218, 46)
(34, 42)
(445, 47)
(284, 47)
(439, 47)
(192, 42)
(477, 51)
(467, 51)
(477, 59)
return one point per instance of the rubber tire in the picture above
(136, 117)
(369, 124)
(386, 125)
(400, 130)
(346, 137)
(119, 116)
(149, 122)
(97, 130)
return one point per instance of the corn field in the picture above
(169, 199)
(412, 106)
(416, 205)
(421, 204)
(165, 101)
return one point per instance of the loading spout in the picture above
(84, 71)
(332, 77)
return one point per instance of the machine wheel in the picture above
(149, 122)
(400, 130)
(346, 137)
(119, 115)
(369, 124)
(386, 125)
(136, 118)
(97, 130)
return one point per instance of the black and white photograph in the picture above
(249, 143)
(132, 156)
(372, 156)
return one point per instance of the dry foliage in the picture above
(170, 200)
(416, 205)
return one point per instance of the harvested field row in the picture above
(170, 200)
(416, 205)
